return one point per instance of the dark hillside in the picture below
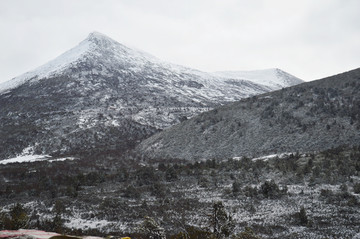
(309, 117)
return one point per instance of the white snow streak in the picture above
(27, 156)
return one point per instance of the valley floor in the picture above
(290, 196)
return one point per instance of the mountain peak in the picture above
(100, 40)
(97, 36)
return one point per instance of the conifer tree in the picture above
(221, 223)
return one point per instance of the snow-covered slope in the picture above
(273, 78)
(51, 68)
(104, 94)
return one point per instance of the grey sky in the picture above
(307, 38)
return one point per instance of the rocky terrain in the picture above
(104, 96)
(308, 117)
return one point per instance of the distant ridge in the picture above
(273, 78)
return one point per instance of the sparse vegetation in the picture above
(15, 219)
(122, 190)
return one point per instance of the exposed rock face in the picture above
(312, 116)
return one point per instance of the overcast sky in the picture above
(310, 39)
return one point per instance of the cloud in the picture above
(310, 39)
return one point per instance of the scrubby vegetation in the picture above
(295, 195)
(314, 116)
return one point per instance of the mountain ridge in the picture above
(311, 116)
(273, 77)
(91, 45)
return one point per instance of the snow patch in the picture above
(33, 158)
(267, 157)
(27, 156)
(87, 224)
(25, 159)
(271, 156)
(62, 159)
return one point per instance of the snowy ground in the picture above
(111, 199)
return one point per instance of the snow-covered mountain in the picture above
(102, 94)
(272, 78)
(108, 55)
